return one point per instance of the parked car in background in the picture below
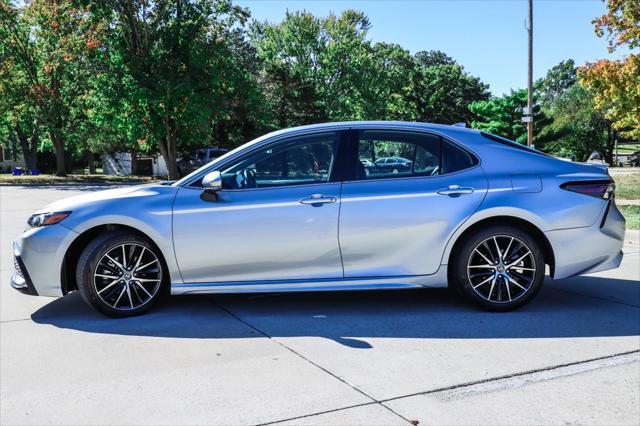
(392, 165)
(199, 158)
(596, 158)
(296, 210)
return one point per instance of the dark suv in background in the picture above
(199, 158)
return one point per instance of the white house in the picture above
(119, 164)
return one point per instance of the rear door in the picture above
(396, 222)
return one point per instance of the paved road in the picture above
(571, 356)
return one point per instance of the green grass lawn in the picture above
(627, 186)
(628, 149)
(632, 215)
(8, 179)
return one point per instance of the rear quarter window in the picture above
(455, 159)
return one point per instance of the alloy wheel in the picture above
(127, 276)
(501, 269)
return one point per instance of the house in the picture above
(10, 159)
(119, 163)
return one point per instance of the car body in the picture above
(295, 210)
(199, 158)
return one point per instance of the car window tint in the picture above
(455, 159)
(299, 161)
(384, 154)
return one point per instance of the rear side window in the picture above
(384, 154)
(396, 154)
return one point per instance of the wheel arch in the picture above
(72, 255)
(526, 225)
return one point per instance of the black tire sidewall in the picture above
(459, 270)
(87, 263)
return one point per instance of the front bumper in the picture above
(589, 249)
(20, 279)
(38, 255)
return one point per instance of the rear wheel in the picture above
(120, 274)
(499, 268)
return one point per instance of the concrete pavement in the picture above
(571, 356)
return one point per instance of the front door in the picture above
(397, 221)
(276, 217)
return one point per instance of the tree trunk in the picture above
(92, 162)
(33, 148)
(168, 150)
(29, 147)
(134, 161)
(58, 143)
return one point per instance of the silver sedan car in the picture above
(296, 210)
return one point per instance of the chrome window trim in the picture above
(269, 187)
(333, 127)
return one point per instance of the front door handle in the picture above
(318, 199)
(455, 191)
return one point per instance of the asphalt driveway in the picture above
(571, 356)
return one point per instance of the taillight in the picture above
(605, 189)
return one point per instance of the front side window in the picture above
(297, 161)
(389, 154)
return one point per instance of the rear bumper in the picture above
(589, 249)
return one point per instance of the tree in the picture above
(616, 83)
(178, 55)
(558, 79)
(433, 58)
(18, 117)
(387, 84)
(577, 128)
(445, 90)
(310, 67)
(502, 115)
(51, 42)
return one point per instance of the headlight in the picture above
(44, 219)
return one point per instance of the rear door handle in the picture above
(455, 190)
(318, 199)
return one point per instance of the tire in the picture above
(121, 289)
(514, 277)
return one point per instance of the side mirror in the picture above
(212, 182)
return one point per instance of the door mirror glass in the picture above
(212, 181)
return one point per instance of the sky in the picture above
(487, 37)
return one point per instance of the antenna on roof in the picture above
(461, 124)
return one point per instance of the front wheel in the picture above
(499, 268)
(120, 274)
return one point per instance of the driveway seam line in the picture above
(459, 386)
(15, 320)
(373, 400)
(509, 376)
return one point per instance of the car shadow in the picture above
(348, 317)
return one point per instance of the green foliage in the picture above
(502, 115)
(446, 93)
(310, 67)
(558, 79)
(48, 47)
(84, 77)
(577, 128)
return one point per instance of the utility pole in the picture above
(530, 78)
